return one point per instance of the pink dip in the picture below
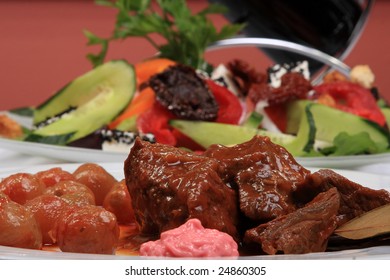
(191, 240)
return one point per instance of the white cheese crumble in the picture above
(276, 72)
(223, 75)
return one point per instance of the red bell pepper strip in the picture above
(155, 121)
(230, 108)
(353, 98)
(278, 114)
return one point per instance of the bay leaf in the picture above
(370, 224)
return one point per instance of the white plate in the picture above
(64, 153)
(72, 154)
(116, 169)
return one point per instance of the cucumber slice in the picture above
(97, 97)
(330, 122)
(295, 111)
(254, 120)
(208, 133)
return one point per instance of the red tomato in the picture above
(354, 99)
(230, 109)
(155, 121)
(47, 209)
(18, 227)
(54, 175)
(73, 192)
(118, 202)
(21, 187)
(96, 178)
(278, 114)
(87, 229)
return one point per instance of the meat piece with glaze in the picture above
(265, 175)
(168, 186)
(355, 198)
(304, 231)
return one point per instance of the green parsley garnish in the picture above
(186, 35)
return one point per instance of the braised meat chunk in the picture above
(355, 198)
(168, 186)
(304, 231)
(265, 174)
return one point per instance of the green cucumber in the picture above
(295, 111)
(254, 120)
(97, 98)
(330, 122)
(209, 133)
(386, 113)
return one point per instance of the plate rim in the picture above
(68, 153)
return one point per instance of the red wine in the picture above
(331, 26)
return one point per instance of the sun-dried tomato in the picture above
(293, 86)
(184, 93)
(245, 75)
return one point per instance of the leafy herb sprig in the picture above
(186, 35)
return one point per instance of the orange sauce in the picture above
(129, 242)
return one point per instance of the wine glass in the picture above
(331, 26)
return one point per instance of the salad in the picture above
(179, 99)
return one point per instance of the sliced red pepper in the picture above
(155, 121)
(353, 98)
(186, 142)
(230, 109)
(278, 114)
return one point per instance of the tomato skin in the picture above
(155, 121)
(230, 109)
(96, 178)
(118, 202)
(87, 229)
(18, 227)
(54, 175)
(21, 187)
(73, 192)
(47, 209)
(354, 99)
(278, 114)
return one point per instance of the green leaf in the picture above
(186, 35)
(345, 144)
(24, 111)
(60, 139)
(178, 9)
(107, 3)
(229, 31)
(141, 26)
(133, 5)
(92, 38)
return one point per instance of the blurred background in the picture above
(42, 46)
